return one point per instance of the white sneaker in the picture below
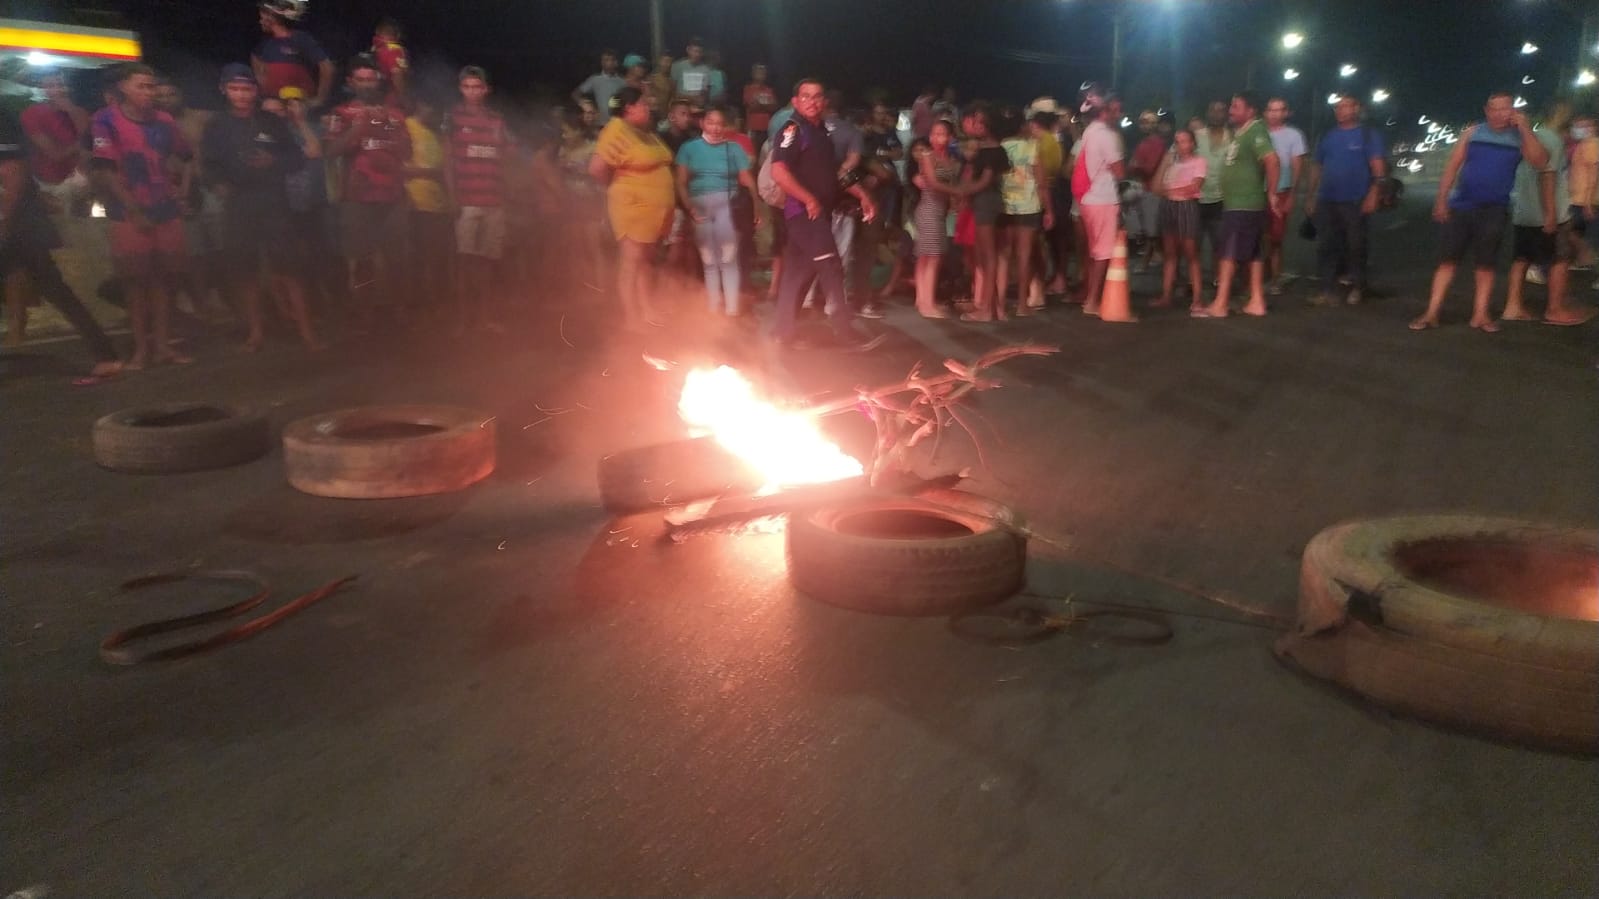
(1535, 275)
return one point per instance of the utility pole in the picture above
(657, 34)
(1116, 19)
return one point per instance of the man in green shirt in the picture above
(1248, 166)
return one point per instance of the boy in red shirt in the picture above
(370, 136)
(477, 145)
(391, 58)
(133, 143)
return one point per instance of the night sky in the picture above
(1436, 57)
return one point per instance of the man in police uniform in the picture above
(805, 166)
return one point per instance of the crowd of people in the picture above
(407, 204)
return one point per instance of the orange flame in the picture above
(786, 448)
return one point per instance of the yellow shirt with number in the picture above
(427, 194)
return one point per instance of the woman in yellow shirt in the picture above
(637, 167)
(432, 231)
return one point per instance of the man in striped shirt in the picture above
(477, 146)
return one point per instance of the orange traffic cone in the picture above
(1115, 305)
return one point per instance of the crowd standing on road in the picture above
(406, 205)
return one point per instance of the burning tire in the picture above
(179, 437)
(1483, 623)
(681, 471)
(937, 554)
(375, 452)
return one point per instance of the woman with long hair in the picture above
(636, 167)
(710, 170)
(982, 185)
(1179, 181)
(937, 174)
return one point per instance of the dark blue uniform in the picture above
(811, 252)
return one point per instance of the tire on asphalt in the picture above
(666, 473)
(940, 553)
(179, 437)
(1486, 624)
(380, 452)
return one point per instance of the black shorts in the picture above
(251, 233)
(1241, 233)
(1579, 222)
(779, 229)
(1475, 231)
(1538, 248)
(1033, 220)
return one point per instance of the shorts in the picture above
(1033, 220)
(251, 234)
(1149, 205)
(480, 231)
(774, 214)
(1278, 227)
(1100, 224)
(987, 206)
(203, 230)
(1534, 246)
(373, 229)
(1475, 231)
(1241, 231)
(1181, 219)
(142, 255)
(1209, 217)
(1579, 221)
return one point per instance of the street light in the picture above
(1332, 99)
(1519, 103)
(1379, 95)
(1528, 48)
(1290, 74)
(1585, 78)
(1292, 39)
(1527, 79)
(1346, 70)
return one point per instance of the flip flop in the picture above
(1518, 317)
(937, 313)
(1423, 324)
(974, 317)
(1487, 328)
(1569, 322)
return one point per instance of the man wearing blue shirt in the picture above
(1343, 184)
(806, 167)
(602, 86)
(1474, 203)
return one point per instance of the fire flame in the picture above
(785, 448)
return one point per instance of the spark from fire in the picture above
(786, 448)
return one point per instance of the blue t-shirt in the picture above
(1489, 172)
(1345, 156)
(713, 169)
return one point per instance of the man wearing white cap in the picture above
(1099, 167)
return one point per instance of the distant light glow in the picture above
(1379, 95)
(1528, 48)
(1423, 120)
(1127, 122)
(35, 58)
(1527, 79)
(1290, 74)
(1332, 99)
(1292, 39)
(1520, 102)
(1585, 78)
(1347, 69)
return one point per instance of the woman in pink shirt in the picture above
(1178, 181)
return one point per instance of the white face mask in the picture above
(1581, 133)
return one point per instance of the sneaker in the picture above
(1535, 275)
(1354, 297)
(871, 310)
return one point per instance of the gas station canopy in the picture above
(66, 46)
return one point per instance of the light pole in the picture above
(657, 32)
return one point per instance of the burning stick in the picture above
(683, 522)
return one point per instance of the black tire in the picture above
(667, 473)
(179, 437)
(382, 452)
(937, 554)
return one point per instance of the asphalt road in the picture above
(517, 699)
